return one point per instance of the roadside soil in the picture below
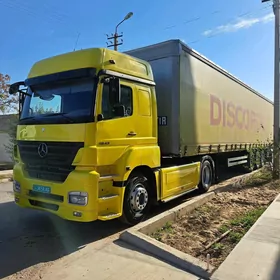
(232, 212)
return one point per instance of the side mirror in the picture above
(114, 91)
(14, 88)
(119, 110)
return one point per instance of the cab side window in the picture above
(126, 101)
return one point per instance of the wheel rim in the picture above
(206, 176)
(138, 198)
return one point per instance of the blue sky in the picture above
(237, 35)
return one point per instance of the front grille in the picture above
(45, 205)
(47, 196)
(55, 165)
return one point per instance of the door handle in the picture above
(132, 133)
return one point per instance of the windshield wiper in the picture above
(60, 114)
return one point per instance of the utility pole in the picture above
(276, 8)
(116, 36)
(115, 43)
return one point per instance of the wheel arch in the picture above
(149, 173)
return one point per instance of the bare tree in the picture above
(8, 103)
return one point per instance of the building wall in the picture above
(4, 156)
(5, 123)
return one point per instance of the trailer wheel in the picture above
(206, 176)
(137, 199)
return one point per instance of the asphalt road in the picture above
(29, 237)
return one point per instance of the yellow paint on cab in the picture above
(112, 148)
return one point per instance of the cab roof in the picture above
(98, 58)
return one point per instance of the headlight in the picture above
(78, 198)
(16, 186)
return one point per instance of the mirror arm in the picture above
(24, 93)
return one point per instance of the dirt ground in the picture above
(233, 211)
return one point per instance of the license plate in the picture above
(41, 189)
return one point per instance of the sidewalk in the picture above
(257, 255)
(110, 261)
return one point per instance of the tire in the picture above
(206, 176)
(137, 200)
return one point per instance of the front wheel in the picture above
(137, 199)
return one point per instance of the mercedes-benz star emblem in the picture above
(42, 150)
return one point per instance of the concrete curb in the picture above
(6, 180)
(7, 174)
(137, 236)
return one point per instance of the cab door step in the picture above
(109, 216)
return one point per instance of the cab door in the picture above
(116, 133)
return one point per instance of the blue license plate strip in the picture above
(41, 189)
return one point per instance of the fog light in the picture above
(16, 186)
(77, 214)
(78, 198)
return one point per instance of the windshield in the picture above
(62, 102)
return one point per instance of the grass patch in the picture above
(261, 177)
(166, 229)
(240, 225)
(218, 246)
(247, 220)
(235, 237)
(224, 228)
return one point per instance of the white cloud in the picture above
(239, 24)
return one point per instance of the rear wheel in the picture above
(137, 199)
(206, 176)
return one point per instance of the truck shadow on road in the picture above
(29, 237)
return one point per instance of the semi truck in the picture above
(104, 134)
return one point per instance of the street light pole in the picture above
(116, 35)
(276, 8)
(276, 90)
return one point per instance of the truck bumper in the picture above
(104, 202)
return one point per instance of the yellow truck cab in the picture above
(87, 139)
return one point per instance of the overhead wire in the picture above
(191, 20)
(47, 14)
(232, 20)
(13, 5)
(50, 14)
